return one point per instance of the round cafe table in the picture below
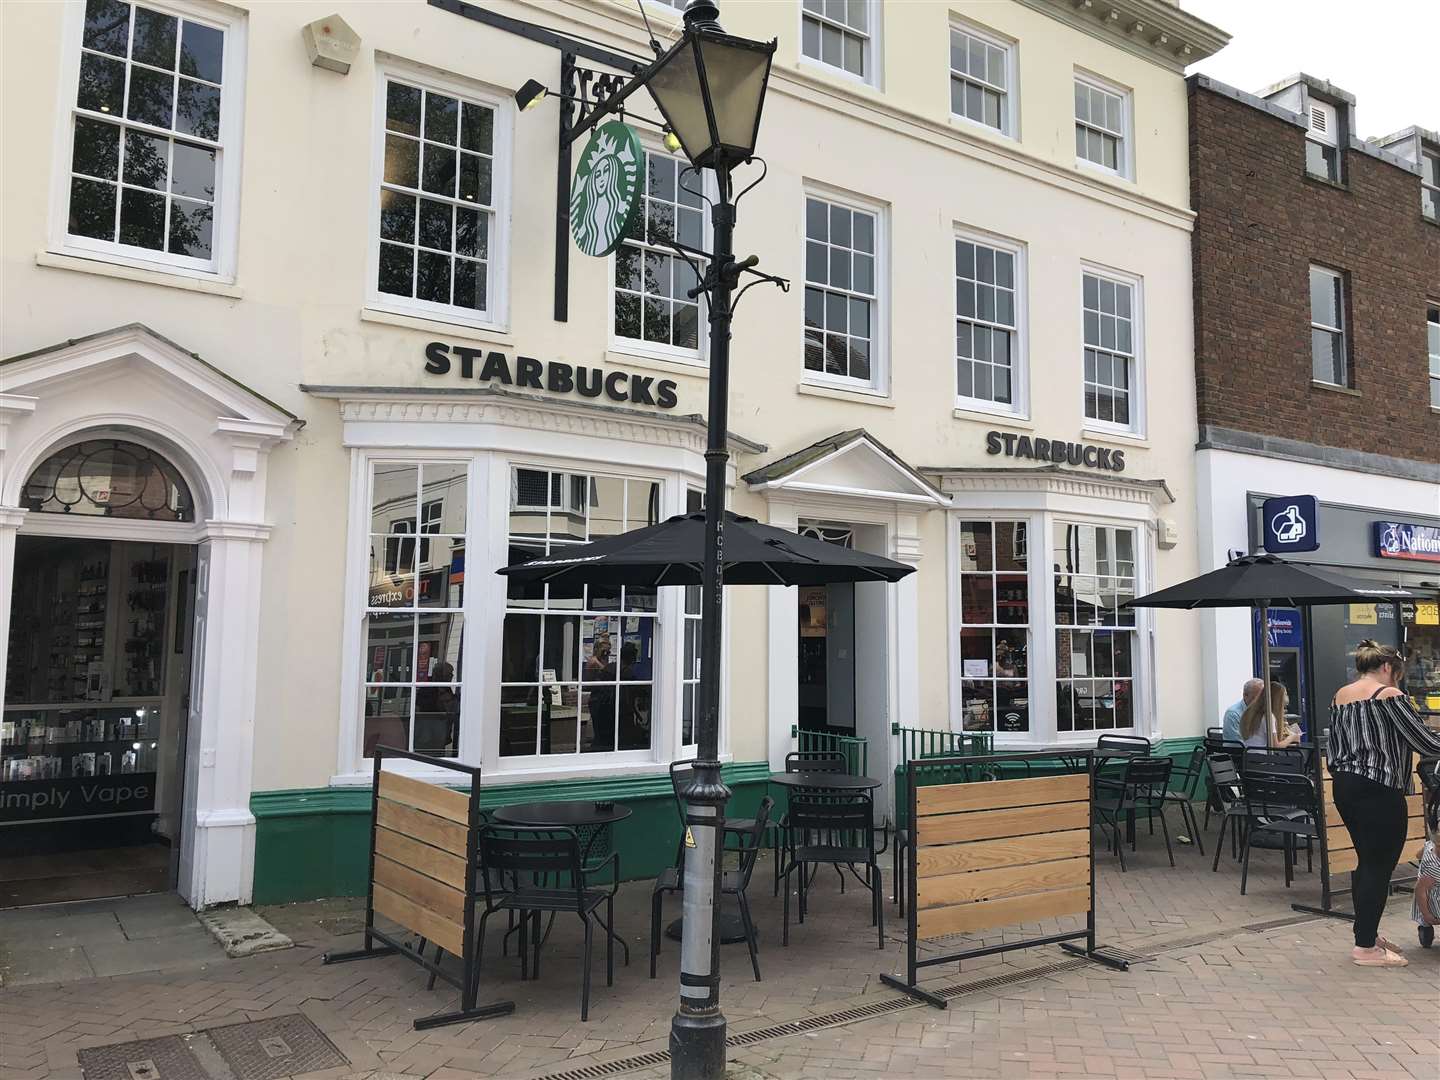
(825, 781)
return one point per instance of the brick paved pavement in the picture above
(1279, 1002)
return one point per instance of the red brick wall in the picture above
(1260, 224)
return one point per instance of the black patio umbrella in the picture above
(673, 553)
(1265, 581)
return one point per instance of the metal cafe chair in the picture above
(798, 761)
(822, 830)
(1229, 791)
(517, 857)
(1144, 785)
(1283, 761)
(1284, 805)
(1184, 783)
(732, 883)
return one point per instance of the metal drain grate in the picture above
(275, 1048)
(811, 1023)
(1276, 924)
(955, 990)
(612, 1068)
(148, 1059)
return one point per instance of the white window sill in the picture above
(1319, 384)
(856, 394)
(964, 123)
(125, 272)
(974, 410)
(624, 354)
(600, 770)
(1115, 433)
(811, 66)
(1102, 171)
(432, 323)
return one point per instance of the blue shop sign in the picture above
(1405, 540)
(1284, 628)
(1291, 524)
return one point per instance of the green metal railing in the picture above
(855, 750)
(917, 743)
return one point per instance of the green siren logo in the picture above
(606, 191)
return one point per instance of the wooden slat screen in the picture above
(1339, 846)
(1001, 852)
(420, 876)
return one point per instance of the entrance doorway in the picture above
(843, 666)
(96, 684)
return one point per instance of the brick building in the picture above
(1317, 360)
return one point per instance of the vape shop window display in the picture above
(414, 628)
(995, 626)
(577, 662)
(1094, 573)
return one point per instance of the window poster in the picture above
(1362, 615)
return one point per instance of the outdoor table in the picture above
(822, 781)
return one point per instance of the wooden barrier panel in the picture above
(1340, 849)
(1001, 852)
(423, 848)
(991, 853)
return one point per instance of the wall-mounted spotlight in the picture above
(530, 95)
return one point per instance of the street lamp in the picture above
(710, 87)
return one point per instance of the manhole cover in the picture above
(149, 1059)
(274, 1048)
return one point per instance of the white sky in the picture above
(1385, 52)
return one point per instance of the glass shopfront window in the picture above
(995, 626)
(577, 662)
(414, 626)
(1094, 574)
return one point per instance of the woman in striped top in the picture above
(1373, 729)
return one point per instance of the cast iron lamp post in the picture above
(710, 87)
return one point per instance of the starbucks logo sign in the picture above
(606, 191)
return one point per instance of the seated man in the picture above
(1248, 693)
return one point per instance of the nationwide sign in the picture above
(493, 366)
(1404, 540)
(1291, 524)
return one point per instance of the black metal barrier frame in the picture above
(913, 961)
(468, 983)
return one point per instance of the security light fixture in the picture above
(530, 95)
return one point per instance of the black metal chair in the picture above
(680, 772)
(1131, 744)
(1229, 791)
(1234, 752)
(797, 761)
(732, 883)
(1144, 785)
(1286, 806)
(517, 864)
(1184, 785)
(1279, 761)
(838, 830)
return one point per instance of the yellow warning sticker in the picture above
(689, 837)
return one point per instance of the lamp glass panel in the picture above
(675, 86)
(737, 76)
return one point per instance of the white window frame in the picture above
(224, 231)
(1041, 510)
(497, 317)
(1022, 523)
(1330, 137)
(1019, 406)
(1342, 329)
(870, 51)
(1010, 104)
(698, 356)
(879, 381)
(486, 547)
(1432, 319)
(1125, 159)
(1138, 425)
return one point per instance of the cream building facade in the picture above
(319, 312)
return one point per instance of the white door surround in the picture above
(850, 479)
(131, 383)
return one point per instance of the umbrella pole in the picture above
(1265, 672)
(697, 1030)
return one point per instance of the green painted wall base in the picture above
(315, 842)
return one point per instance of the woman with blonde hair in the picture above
(1373, 729)
(1258, 729)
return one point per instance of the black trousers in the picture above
(1377, 818)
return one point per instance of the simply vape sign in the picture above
(590, 382)
(1402, 540)
(1291, 524)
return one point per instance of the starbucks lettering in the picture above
(553, 376)
(1055, 451)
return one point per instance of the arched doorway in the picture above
(98, 673)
